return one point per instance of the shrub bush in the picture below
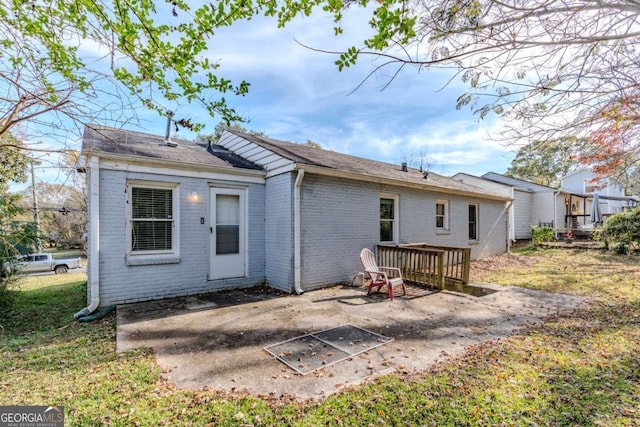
(621, 232)
(541, 234)
(621, 248)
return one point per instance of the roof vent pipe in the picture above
(404, 167)
(167, 135)
(425, 175)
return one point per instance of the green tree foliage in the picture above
(621, 232)
(75, 58)
(541, 234)
(544, 162)
(15, 236)
(154, 50)
(62, 212)
(13, 161)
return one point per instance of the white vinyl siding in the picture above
(590, 186)
(523, 207)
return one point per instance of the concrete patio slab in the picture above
(218, 340)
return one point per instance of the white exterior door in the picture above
(227, 233)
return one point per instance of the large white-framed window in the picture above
(442, 215)
(473, 221)
(389, 217)
(152, 218)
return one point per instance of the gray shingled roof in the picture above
(126, 143)
(121, 142)
(515, 182)
(305, 155)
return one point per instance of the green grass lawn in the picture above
(578, 369)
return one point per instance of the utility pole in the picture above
(36, 214)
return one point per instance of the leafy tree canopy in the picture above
(13, 161)
(57, 56)
(544, 162)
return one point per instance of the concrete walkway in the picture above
(218, 340)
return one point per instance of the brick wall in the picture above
(340, 217)
(278, 224)
(122, 283)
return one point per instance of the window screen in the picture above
(151, 219)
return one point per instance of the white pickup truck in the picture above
(33, 263)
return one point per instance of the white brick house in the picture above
(185, 218)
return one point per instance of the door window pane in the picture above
(227, 224)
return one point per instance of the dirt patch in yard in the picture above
(483, 268)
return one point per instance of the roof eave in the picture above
(133, 159)
(319, 170)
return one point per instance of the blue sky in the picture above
(297, 94)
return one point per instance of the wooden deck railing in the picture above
(427, 265)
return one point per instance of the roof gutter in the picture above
(94, 239)
(297, 279)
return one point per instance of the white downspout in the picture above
(94, 238)
(555, 213)
(510, 236)
(512, 216)
(296, 234)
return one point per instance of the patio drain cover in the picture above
(314, 351)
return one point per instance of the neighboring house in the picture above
(185, 218)
(582, 185)
(567, 207)
(533, 204)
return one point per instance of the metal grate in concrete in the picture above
(316, 350)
